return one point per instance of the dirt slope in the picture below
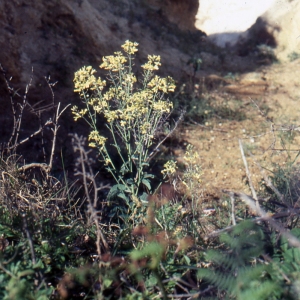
(267, 101)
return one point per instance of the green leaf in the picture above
(187, 259)
(147, 184)
(123, 196)
(115, 192)
(107, 282)
(130, 181)
(144, 198)
(6, 232)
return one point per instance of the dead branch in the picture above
(266, 217)
(248, 174)
(88, 176)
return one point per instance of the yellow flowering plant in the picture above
(169, 169)
(134, 111)
(192, 176)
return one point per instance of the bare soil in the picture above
(266, 112)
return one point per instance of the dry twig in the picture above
(88, 177)
(248, 174)
(266, 217)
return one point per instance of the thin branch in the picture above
(266, 217)
(22, 107)
(292, 240)
(88, 176)
(248, 174)
(42, 166)
(7, 271)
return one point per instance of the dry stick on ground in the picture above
(254, 220)
(248, 174)
(292, 240)
(42, 166)
(87, 175)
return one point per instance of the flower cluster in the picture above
(130, 47)
(153, 63)
(193, 174)
(86, 80)
(96, 140)
(170, 168)
(165, 85)
(114, 63)
(120, 103)
(191, 157)
(78, 113)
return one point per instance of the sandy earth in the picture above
(270, 99)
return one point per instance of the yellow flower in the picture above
(169, 84)
(169, 168)
(97, 140)
(145, 127)
(130, 47)
(110, 94)
(153, 63)
(114, 63)
(99, 105)
(129, 80)
(123, 123)
(162, 106)
(193, 174)
(108, 161)
(85, 80)
(191, 157)
(162, 84)
(78, 113)
(111, 115)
